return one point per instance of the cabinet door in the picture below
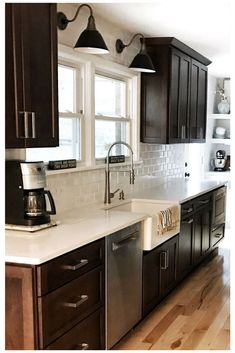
(151, 280)
(197, 244)
(32, 51)
(14, 125)
(179, 97)
(185, 247)
(198, 102)
(154, 98)
(206, 230)
(168, 265)
(20, 308)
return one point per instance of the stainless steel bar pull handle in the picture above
(189, 221)
(122, 243)
(217, 235)
(74, 267)
(26, 116)
(83, 298)
(165, 263)
(26, 125)
(183, 131)
(33, 117)
(82, 346)
(204, 202)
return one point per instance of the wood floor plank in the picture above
(161, 327)
(221, 321)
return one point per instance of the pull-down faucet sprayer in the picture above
(108, 194)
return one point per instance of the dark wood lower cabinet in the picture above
(202, 233)
(89, 334)
(159, 273)
(185, 258)
(151, 280)
(71, 316)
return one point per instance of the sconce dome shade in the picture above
(142, 63)
(91, 42)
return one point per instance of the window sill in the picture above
(86, 168)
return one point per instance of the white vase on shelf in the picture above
(224, 106)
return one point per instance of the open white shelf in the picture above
(224, 141)
(219, 116)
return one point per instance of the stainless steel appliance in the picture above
(220, 161)
(25, 195)
(123, 283)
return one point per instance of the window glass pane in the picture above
(66, 79)
(110, 96)
(69, 143)
(107, 132)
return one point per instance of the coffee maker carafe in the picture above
(25, 194)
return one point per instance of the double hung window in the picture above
(98, 105)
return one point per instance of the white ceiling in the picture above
(204, 25)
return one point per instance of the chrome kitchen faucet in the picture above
(108, 194)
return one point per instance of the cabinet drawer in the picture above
(202, 201)
(219, 207)
(89, 334)
(217, 235)
(187, 209)
(63, 308)
(65, 268)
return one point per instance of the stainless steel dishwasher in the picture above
(123, 282)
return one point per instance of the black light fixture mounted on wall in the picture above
(141, 62)
(90, 40)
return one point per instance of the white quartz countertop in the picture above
(82, 226)
(179, 190)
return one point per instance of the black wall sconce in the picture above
(141, 62)
(90, 40)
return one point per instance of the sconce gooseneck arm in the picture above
(120, 46)
(78, 10)
(132, 39)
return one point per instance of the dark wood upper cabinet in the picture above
(174, 99)
(31, 76)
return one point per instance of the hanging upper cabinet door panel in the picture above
(179, 97)
(31, 76)
(198, 102)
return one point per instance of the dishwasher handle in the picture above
(119, 244)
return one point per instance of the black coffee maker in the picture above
(25, 194)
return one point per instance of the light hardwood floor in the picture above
(195, 316)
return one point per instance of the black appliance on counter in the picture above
(25, 194)
(220, 161)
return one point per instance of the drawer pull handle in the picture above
(189, 221)
(188, 210)
(82, 346)
(75, 267)
(203, 202)
(83, 298)
(218, 235)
